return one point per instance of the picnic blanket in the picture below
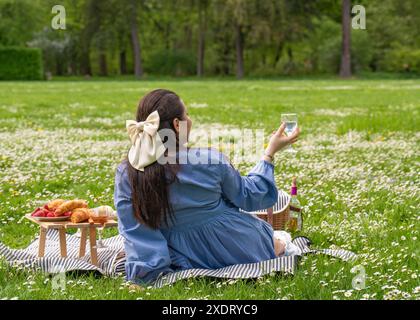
(111, 260)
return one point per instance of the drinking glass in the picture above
(100, 244)
(291, 122)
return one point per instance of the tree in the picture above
(19, 21)
(345, 67)
(138, 68)
(240, 16)
(223, 37)
(239, 8)
(92, 22)
(240, 43)
(202, 25)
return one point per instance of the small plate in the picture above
(51, 219)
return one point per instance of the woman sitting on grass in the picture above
(186, 215)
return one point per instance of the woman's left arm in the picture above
(255, 191)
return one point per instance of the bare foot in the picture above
(279, 247)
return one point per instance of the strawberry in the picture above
(39, 213)
(46, 207)
(50, 214)
(67, 214)
(35, 211)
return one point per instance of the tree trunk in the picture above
(58, 66)
(72, 70)
(188, 35)
(277, 56)
(345, 67)
(226, 55)
(103, 70)
(138, 70)
(290, 65)
(85, 68)
(202, 18)
(123, 62)
(239, 52)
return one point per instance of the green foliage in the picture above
(361, 50)
(280, 37)
(326, 41)
(20, 64)
(176, 63)
(402, 59)
(18, 21)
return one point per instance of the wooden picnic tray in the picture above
(61, 226)
(68, 224)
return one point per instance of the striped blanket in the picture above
(112, 259)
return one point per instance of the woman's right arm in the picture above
(147, 254)
(257, 190)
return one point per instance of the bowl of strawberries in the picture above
(57, 210)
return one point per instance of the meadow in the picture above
(357, 165)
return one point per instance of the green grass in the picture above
(357, 166)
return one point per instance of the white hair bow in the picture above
(147, 146)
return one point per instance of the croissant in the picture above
(54, 204)
(101, 214)
(80, 215)
(70, 206)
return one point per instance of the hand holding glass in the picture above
(290, 120)
(279, 140)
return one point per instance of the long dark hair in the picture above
(150, 189)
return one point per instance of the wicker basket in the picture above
(278, 215)
(277, 219)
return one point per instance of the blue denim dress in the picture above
(209, 231)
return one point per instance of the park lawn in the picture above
(357, 167)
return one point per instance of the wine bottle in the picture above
(295, 222)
